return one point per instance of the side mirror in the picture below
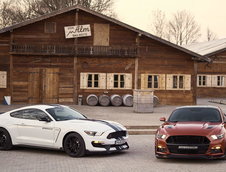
(163, 119)
(44, 118)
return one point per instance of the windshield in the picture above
(195, 114)
(61, 113)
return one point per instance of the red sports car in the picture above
(192, 132)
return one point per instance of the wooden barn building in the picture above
(211, 78)
(76, 52)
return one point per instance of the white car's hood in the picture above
(93, 125)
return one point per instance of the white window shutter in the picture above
(214, 80)
(208, 80)
(110, 80)
(102, 80)
(3, 79)
(162, 82)
(169, 82)
(187, 82)
(198, 81)
(224, 80)
(143, 81)
(83, 80)
(128, 81)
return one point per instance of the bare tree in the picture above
(210, 35)
(180, 29)
(159, 23)
(183, 28)
(14, 11)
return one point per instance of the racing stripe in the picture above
(115, 127)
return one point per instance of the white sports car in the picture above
(60, 127)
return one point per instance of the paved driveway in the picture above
(139, 158)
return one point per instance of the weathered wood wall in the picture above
(5, 62)
(162, 59)
(217, 67)
(55, 78)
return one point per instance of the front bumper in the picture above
(103, 144)
(163, 150)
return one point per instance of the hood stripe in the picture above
(114, 127)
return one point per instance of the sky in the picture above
(208, 13)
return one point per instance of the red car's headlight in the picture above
(161, 136)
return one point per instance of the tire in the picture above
(74, 145)
(5, 140)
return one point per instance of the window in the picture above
(220, 81)
(50, 27)
(153, 81)
(178, 81)
(202, 80)
(32, 114)
(93, 81)
(119, 81)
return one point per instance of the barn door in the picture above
(43, 85)
(34, 84)
(50, 85)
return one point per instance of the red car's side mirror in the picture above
(163, 119)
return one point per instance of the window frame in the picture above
(176, 83)
(93, 81)
(121, 81)
(153, 82)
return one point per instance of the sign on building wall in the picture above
(3, 80)
(77, 31)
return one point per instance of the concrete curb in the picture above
(142, 130)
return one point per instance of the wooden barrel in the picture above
(155, 101)
(92, 100)
(104, 100)
(128, 100)
(116, 100)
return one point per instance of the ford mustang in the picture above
(192, 132)
(60, 127)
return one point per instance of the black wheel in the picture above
(74, 145)
(5, 140)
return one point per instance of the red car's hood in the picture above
(191, 128)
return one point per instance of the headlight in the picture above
(93, 133)
(161, 136)
(216, 137)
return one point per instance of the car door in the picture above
(32, 131)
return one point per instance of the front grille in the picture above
(188, 140)
(200, 150)
(192, 144)
(116, 135)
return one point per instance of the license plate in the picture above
(120, 141)
(188, 147)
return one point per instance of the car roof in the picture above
(199, 106)
(42, 106)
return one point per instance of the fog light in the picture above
(161, 148)
(98, 142)
(216, 149)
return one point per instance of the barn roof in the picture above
(208, 48)
(78, 7)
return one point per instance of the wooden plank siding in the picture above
(53, 77)
(4, 62)
(217, 67)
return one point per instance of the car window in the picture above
(195, 114)
(61, 113)
(32, 114)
